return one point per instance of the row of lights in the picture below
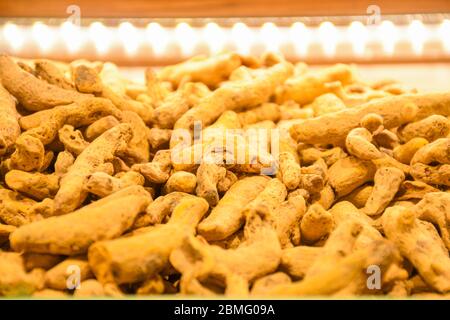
(240, 35)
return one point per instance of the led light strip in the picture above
(127, 42)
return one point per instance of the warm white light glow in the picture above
(300, 36)
(444, 33)
(214, 36)
(157, 36)
(13, 35)
(388, 35)
(43, 36)
(328, 36)
(242, 37)
(101, 36)
(271, 37)
(186, 38)
(417, 34)
(71, 35)
(358, 35)
(129, 37)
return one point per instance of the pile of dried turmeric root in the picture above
(94, 200)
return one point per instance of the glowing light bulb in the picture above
(186, 37)
(214, 36)
(13, 35)
(71, 34)
(444, 33)
(417, 35)
(328, 35)
(271, 36)
(101, 36)
(157, 36)
(129, 37)
(43, 36)
(388, 35)
(242, 37)
(357, 33)
(300, 36)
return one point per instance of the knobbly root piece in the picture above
(86, 79)
(286, 220)
(14, 280)
(79, 114)
(324, 197)
(435, 208)
(260, 255)
(235, 95)
(102, 184)
(438, 175)
(63, 161)
(208, 177)
(333, 128)
(359, 196)
(9, 126)
(387, 182)
(15, 209)
(372, 122)
(305, 88)
(227, 217)
(419, 242)
(174, 106)
(160, 209)
(137, 150)
(210, 71)
(289, 169)
(330, 156)
(72, 139)
(98, 127)
(93, 288)
(296, 261)
(43, 261)
(347, 174)
(263, 284)
(316, 224)
(405, 152)
(431, 128)
(156, 91)
(52, 73)
(156, 285)
(50, 293)
(62, 276)
(29, 154)
(347, 275)
(313, 177)
(158, 138)
(267, 111)
(34, 185)
(359, 144)
(386, 139)
(436, 151)
(344, 212)
(32, 93)
(268, 200)
(71, 193)
(225, 184)
(136, 258)
(180, 181)
(157, 171)
(327, 103)
(114, 89)
(410, 190)
(73, 233)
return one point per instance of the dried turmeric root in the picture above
(74, 232)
